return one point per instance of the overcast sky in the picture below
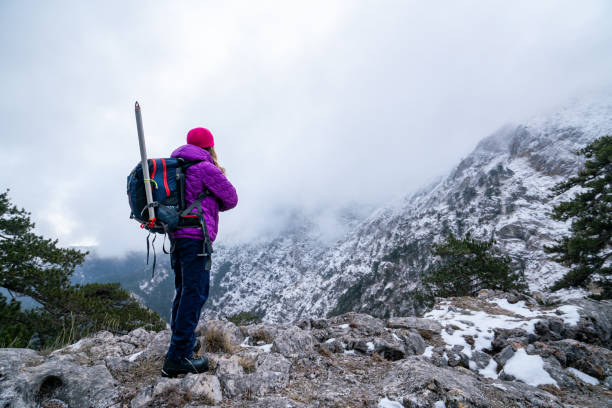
(313, 105)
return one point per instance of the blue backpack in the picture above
(168, 191)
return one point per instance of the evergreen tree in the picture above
(36, 267)
(588, 249)
(466, 265)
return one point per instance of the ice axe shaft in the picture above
(144, 164)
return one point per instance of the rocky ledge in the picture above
(494, 350)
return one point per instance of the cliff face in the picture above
(494, 350)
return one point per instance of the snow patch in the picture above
(569, 313)
(480, 324)
(500, 386)
(428, 351)
(387, 403)
(134, 356)
(583, 376)
(490, 371)
(528, 368)
(266, 348)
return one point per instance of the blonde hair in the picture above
(213, 155)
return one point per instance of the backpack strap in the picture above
(207, 249)
(180, 179)
(152, 243)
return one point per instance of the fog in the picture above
(314, 106)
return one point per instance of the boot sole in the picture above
(174, 374)
(169, 374)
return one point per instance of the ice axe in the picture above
(145, 166)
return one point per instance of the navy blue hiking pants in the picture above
(192, 283)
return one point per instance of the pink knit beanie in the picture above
(200, 137)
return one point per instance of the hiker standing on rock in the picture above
(191, 271)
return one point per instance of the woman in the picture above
(192, 279)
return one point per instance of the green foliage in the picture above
(35, 267)
(466, 265)
(589, 247)
(351, 299)
(245, 318)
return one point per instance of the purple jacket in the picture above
(198, 176)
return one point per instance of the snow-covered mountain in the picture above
(501, 189)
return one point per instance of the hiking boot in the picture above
(196, 347)
(172, 367)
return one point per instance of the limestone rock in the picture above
(270, 371)
(203, 386)
(293, 342)
(421, 325)
(26, 384)
(418, 383)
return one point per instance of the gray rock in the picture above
(261, 333)
(333, 346)
(28, 383)
(390, 348)
(414, 341)
(550, 329)
(504, 337)
(556, 371)
(361, 323)
(607, 382)
(305, 324)
(457, 358)
(589, 358)
(276, 402)
(480, 359)
(293, 342)
(203, 386)
(503, 356)
(231, 374)
(427, 326)
(138, 337)
(117, 364)
(270, 372)
(416, 382)
(595, 324)
(158, 347)
(143, 398)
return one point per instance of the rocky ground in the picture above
(494, 350)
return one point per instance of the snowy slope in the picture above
(501, 189)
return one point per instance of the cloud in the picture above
(313, 105)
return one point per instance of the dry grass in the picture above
(215, 340)
(171, 398)
(144, 371)
(425, 334)
(325, 353)
(378, 358)
(247, 363)
(261, 335)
